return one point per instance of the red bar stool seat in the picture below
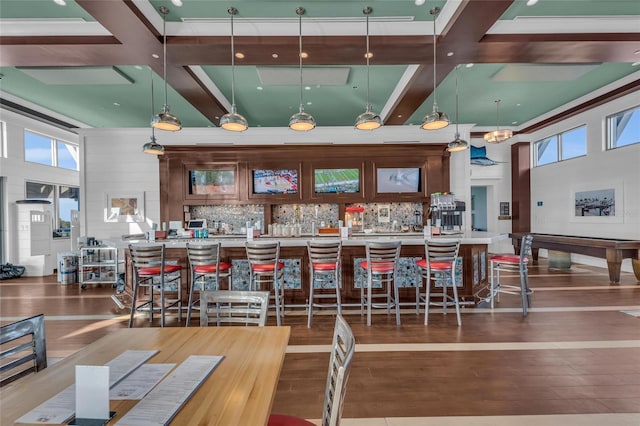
(324, 273)
(266, 272)
(380, 270)
(512, 263)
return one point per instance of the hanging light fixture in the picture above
(437, 119)
(301, 121)
(368, 120)
(498, 135)
(153, 147)
(233, 121)
(164, 120)
(457, 144)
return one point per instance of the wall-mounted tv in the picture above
(275, 181)
(218, 181)
(336, 181)
(394, 180)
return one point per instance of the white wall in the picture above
(16, 172)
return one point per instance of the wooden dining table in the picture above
(240, 391)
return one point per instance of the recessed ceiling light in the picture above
(216, 117)
(60, 2)
(116, 104)
(239, 55)
(177, 3)
(259, 87)
(449, 53)
(531, 2)
(399, 115)
(514, 122)
(518, 104)
(368, 55)
(469, 65)
(304, 55)
(274, 55)
(635, 64)
(419, 2)
(155, 55)
(309, 103)
(138, 67)
(307, 88)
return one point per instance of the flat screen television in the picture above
(220, 181)
(394, 180)
(275, 181)
(336, 181)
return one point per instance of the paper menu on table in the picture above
(140, 382)
(61, 407)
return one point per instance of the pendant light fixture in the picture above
(153, 147)
(164, 120)
(498, 135)
(368, 120)
(457, 144)
(233, 121)
(437, 119)
(301, 121)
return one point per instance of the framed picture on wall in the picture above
(125, 207)
(597, 204)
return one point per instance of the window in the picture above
(50, 152)
(623, 128)
(63, 199)
(563, 146)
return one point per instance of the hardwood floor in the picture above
(575, 353)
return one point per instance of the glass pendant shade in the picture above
(368, 120)
(498, 136)
(233, 121)
(457, 144)
(437, 119)
(153, 147)
(164, 120)
(302, 121)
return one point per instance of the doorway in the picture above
(479, 208)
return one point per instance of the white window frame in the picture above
(54, 150)
(558, 136)
(610, 131)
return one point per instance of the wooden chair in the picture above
(233, 307)
(324, 268)
(343, 348)
(439, 267)
(380, 268)
(151, 271)
(513, 263)
(266, 271)
(23, 349)
(206, 271)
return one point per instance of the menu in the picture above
(61, 407)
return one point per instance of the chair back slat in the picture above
(146, 256)
(23, 348)
(383, 250)
(224, 307)
(442, 251)
(343, 348)
(324, 251)
(263, 253)
(203, 254)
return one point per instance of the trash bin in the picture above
(67, 268)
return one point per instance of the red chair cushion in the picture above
(284, 420)
(422, 263)
(211, 269)
(379, 266)
(507, 258)
(324, 266)
(155, 270)
(266, 267)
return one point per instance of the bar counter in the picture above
(473, 261)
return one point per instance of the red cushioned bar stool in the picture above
(207, 271)
(380, 270)
(512, 263)
(324, 272)
(267, 271)
(439, 267)
(150, 270)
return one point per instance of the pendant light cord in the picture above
(300, 11)
(153, 129)
(434, 12)
(367, 55)
(232, 11)
(164, 54)
(457, 120)
(498, 114)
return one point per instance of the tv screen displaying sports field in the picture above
(393, 180)
(336, 181)
(275, 181)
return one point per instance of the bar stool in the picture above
(380, 268)
(267, 270)
(206, 271)
(151, 271)
(512, 263)
(324, 271)
(439, 266)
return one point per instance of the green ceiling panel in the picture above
(39, 9)
(573, 8)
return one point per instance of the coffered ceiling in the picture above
(93, 61)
